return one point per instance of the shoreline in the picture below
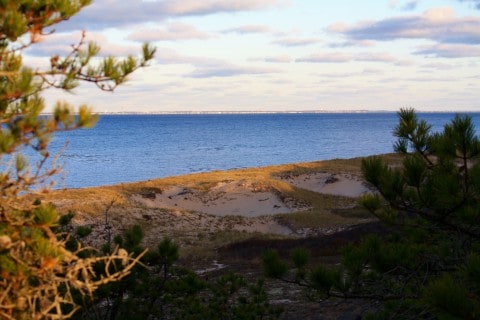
(251, 112)
(185, 176)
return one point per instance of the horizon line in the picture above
(211, 112)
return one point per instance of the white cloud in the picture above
(229, 70)
(343, 75)
(170, 56)
(279, 59)
(406, 6)
(353, 43)
(476, 3)
(393, 3)
(449, 51)
(439, 66)
(117, 13)
(196, 7)
(375, 57)
(340, 57)
(438, 24)
(259, 53)
(411, 5)
(296, 42)
(172, 32)
(249, 29)
(62, 44)
(209, 67)
(335, 57)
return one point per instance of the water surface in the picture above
(126, 148)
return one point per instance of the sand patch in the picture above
(346, 185)
(233, 198)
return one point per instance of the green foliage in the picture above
(450, 300)
(427, 265)
(132, 238)
(472, 271)
(166, 254)
(321, 282)
(83, 231)
(66, 219)
(371, 202)
(159, 288)
(300, 257)
(45, 215)
(323, 279)
(427, 261)
(274, 266)
(40, 269)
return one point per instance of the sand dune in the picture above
(346, 185)
(211, 209)
(225, 199)
(244, 198)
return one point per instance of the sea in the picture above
(127, 148)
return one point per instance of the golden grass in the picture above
(204, 181)
(324, 211)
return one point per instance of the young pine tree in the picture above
(431, 263)
(427, 266)
(160, 288)
(37, 271)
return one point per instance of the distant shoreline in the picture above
(129, 113)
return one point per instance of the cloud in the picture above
(204, 7)
(249, 29)
(352, 43)
(170, 56)
(392, 3)
(278, 59)
(375, 57)
(116, 13)
(272, 59)
(439, 66)
(173, 31)
(382, 57)
(62, 43)
(341, 75)
(336, 57)
(410, 6)
(430, 79)
(438, 24)
(339, 57)
(296, 42)
(228, 70)
(449, 51)
(208, 67)
(475, 2)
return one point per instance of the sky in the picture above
(281, 55)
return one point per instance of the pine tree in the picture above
(38, 273)
(428, 264)
(161, 288)
(432, 261)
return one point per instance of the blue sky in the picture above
(282, 55)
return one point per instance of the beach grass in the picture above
(198, 232)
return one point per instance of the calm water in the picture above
(125, 148)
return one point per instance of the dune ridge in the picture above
(208, 210)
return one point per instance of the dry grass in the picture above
(202, 233)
